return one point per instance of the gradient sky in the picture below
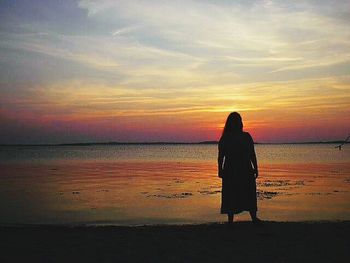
(77, 71)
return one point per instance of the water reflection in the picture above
(138, 192)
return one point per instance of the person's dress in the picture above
(238, 181)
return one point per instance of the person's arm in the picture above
(221, 158)
(253, 158)
(255, 163)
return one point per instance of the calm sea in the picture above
(161, 184)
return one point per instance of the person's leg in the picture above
(253, 215)
(230, 217)
(255, 219)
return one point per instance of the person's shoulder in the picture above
(248, 136)
(222, 140)
(225, 139)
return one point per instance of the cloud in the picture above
(195, 59)
(168, 42)
(263, 36)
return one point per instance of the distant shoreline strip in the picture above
(163, 143)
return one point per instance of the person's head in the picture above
(233, 123)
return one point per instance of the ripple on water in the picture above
(261, 195)
(171, 196)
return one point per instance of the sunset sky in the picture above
(79, 71)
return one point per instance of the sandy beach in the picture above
(244, 242)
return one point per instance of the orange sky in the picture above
(154, 71)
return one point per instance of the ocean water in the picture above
(165, 184)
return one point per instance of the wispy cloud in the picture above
(199, 59)
(267, 31)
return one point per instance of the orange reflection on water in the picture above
(138, 192)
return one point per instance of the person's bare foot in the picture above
(257, 221)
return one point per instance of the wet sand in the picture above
(244, 242)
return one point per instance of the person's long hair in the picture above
(233, 124)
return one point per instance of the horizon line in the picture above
(158, 143)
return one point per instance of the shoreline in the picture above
(308, 241)
(162, 225)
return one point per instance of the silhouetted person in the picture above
(238, 168)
